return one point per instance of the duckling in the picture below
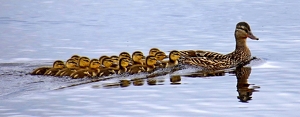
(173, 59)
(216, 61)
(153, 51)
(150, 63)
(71, 64)
(42, 70)
(149, 67)
(123, 64)
(92, 71)
(106, 68)
(137, 58)
(52, 71)
(106, 63)
(75, 57)
(102, 57)
(115, 60)
(160, 56)
(83, 63)
(124, 55)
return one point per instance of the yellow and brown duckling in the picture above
(92, 71)
(42, 70)
(137, 58)
(216, 61)
(57, 65)
(124, 55)
(106, 67)
(103, 57)
(123, 64)
(75, 57)
(115, 60)
(149, 67)
(83, 63)
(160, 56)
(71, 65)
(106, 63)
(173, 59)
(151, 61)
(153, 51)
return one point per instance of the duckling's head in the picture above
(94, 64)
(124, 62)
(115, 60)
(102, 57)
(153, 51)
(160, 56)
(58, 64)
(75, 57)
(71, 63)
(107, 62)
(242, 31)
(174, 55)
(137, 56)
(151, 60)
(124, 55)
(83, 61)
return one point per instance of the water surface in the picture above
(35, 33)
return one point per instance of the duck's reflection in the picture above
(243, 87)
(242, 74)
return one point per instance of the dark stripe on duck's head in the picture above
(244, 26)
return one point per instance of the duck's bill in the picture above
(251, 36)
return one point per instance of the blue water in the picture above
(35, 33)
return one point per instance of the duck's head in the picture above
(71, 63)
(102, 57)
(58, 64)
(107, 62)
(243, 31)
(94, 64)
(115, 60)
(124, 62)
(83, 62)
(153, 51)
(151, 60)
(160, 56)
(124, 55)
(75, 57)
(137, 56)
(174, 55)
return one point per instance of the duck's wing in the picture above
(201, 53)
(207, 63)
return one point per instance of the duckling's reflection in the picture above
(242, 74)
(243, 89)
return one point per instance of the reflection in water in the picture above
(242, 74)
(243, 89)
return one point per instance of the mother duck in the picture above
(216, 61)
